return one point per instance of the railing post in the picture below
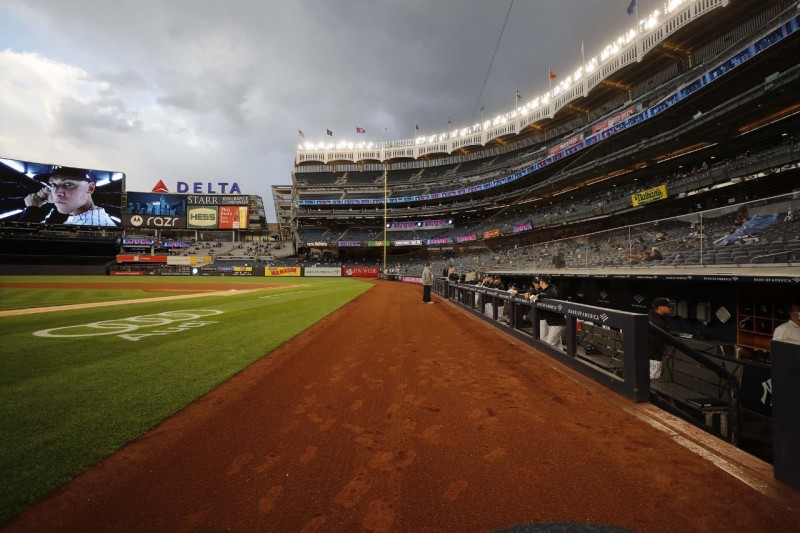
(785, 406)
(572, 336)
(637, 358)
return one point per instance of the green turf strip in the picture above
(66, 403)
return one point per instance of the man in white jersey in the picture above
(70, 191)
(789, 330)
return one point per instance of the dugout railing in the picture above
(517, 316)
(612, 347)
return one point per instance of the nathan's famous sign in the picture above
(650, 195)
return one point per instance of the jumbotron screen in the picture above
(55, 194)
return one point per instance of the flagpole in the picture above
(549, 77)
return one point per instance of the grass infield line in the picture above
(67, 402)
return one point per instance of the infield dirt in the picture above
(391, 415)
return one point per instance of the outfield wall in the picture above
(149, 268)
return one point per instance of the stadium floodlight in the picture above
(672, 5)
(651, 21)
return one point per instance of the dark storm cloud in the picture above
(245, 75)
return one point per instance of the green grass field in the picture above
(73, 392)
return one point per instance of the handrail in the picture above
(634, 381)
(719, 370)
(773, 254)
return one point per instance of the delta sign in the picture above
(200, 187)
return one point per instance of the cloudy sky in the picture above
(216, 90)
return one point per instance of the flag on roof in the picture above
(360, 130)
(416, 126)
(329, 132)
(552, 75)
(300, 132)
(632, 7)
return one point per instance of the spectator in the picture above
(553, 322)
(789, 330)
(531, 297)
(658, 317)
(427, 283)
(558, 260)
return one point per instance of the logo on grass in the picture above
(125, 328)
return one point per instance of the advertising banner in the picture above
(153, 221)
(176, 244)
(129, 241)
(411, 279)
(153, 203)
(565, 144)
(142, 259)
(282, 271)
(361, 272)
(491, 233)
(319, 272)
(650, 195)
(616, 119)
(202, 217)
(210, 199)
(232, 217)
(523, 227)
(179, 260)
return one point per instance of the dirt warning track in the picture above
(391, 415)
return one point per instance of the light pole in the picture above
(385, 204)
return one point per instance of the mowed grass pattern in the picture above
(68, 402)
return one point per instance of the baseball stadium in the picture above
(614, 344)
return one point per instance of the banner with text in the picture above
(232, 217)
(282, 271)
(650, 195)
(320, 272)
(361, 272)
(202, 217)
